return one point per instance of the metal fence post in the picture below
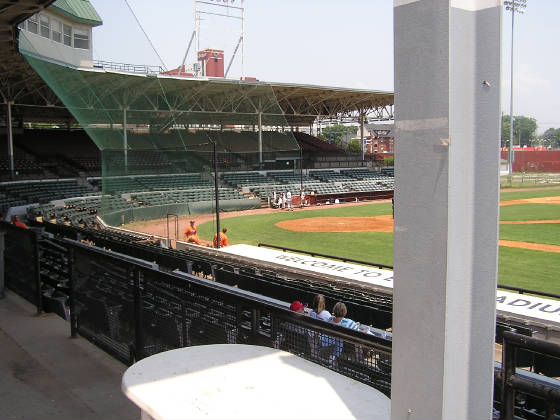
(138, 324)
(2, 284)
(509, 353)
(72, 297)
(37, 272)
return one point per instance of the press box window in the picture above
(45, 26)
(57, 31)
(67, 32)
(33, 25)
(81, 41)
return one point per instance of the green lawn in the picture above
(517, 267)
(550, 192)
(539, 234)
(530, 212)
(530, 269)
(367, 246)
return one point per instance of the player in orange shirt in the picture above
(191, 235)
(223, 239)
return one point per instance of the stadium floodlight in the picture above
(514, 6)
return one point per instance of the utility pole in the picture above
(518, 6)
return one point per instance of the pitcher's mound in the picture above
(339, 224)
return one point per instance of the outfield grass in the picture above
(367, 246)
(517, 267)
(530, 212)
(538, 234)
(530, 269)
(519, 195)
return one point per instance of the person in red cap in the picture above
(298, 307)
(18, 223)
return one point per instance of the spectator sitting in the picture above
(319, 311)
(290, 334)
(298, 307)
(339, 313)
(335, 345)
(16, 222)
(316, 340)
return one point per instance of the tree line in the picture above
(525, 133)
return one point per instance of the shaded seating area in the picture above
(44, 191)
(312, 143)
(329, 176)
(185, 196)
(79, 212)
(7, 201)
(119, 185)
(364, 174)
(243, 179)
(65, 152)
(373, 185)
(290, 177)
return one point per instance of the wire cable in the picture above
(147, 37)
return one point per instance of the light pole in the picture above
(216, 190)
(518, 6)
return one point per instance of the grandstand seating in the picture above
(363, 173)
(185, 196)
(370, 185)
(119, 185)
(313, 144)
(290, 177)
(243, 179)
(80, 212)
(329, 176)
(61, 151)
(388, 171)
(44, 191)
(7, 201)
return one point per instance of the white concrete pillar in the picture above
(447, 91)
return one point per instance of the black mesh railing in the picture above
(21, 262)
(369, 308)
(134, 310)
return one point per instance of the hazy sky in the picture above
(345, 43)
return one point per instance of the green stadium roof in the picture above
(79, 10)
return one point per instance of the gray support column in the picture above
(10, 139)
(362, 136)
(447, 82)
(260, 137)
(125, 141)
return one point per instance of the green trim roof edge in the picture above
(80, 10)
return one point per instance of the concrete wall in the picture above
(535, 161)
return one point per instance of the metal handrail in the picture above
(512, 382)
(128, 68)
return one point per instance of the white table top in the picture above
(235, 381)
